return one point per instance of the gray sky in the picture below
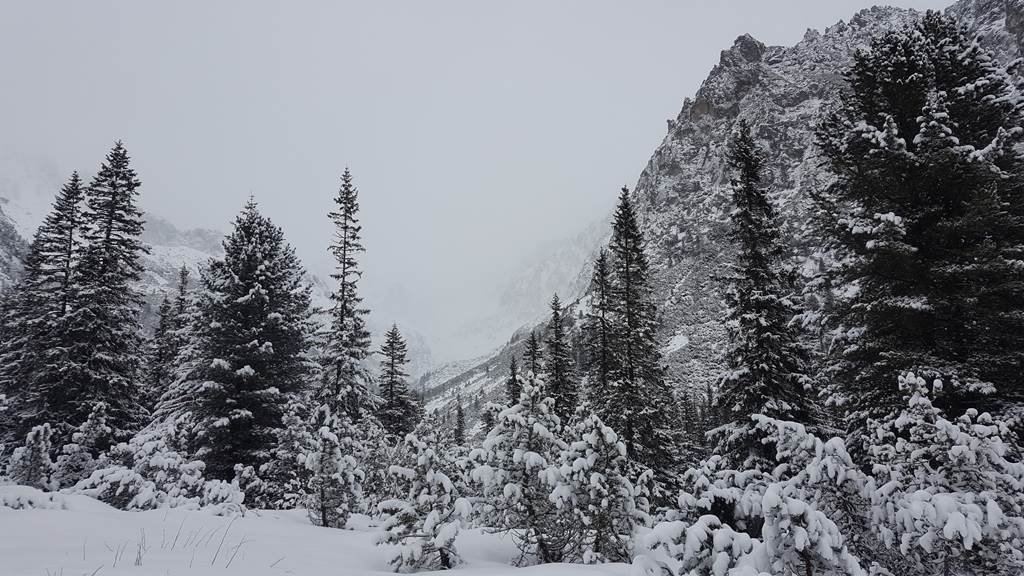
(476, 131)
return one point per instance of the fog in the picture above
(476, 131)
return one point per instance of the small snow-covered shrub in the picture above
(284, 477)
(147, 473)
(518, 468)
(120, 487)
(594, 486)
(951, 493)
(30, 465)
(27, 498)
(83, 455)
(334, 487)
(733, 522)
(426, 519)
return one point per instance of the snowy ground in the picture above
(91, 539)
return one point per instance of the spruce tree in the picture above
(532, 357)
(30, 465)
(460, 423)
(253, 340)
(159, 369)
(594, 485)
(398, 411)
(346, 381)
(638, 403)
(84, 454)
(424, 521)
(100, 356)
(167, 342)
(767, 364)
(597, 328)
(515, 461)
(335, 480)
(34, 312)
(926, 153)
(512, 386)
(559, 370)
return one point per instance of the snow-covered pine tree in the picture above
(767, 363)
(158, 355)
(598, 334)
(178, 402)
(252, 345)
(285, 476)
(594, 486)
(30, 465)
(101, 357)
(335, 481)
(166, 344)
(34, 312)
(83, 455)
(928, 167)
(784, 521)
(512, 386)
(950, 496)
(346, 382)
(518, 467)
(398, 411)
(638, 403)
(533, 358)
(559, 369)
(459, 433)
(426, 519)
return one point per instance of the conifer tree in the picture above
(767, 369)
(100, 358)
(30, 465)
(398, 411)
(559, 370)
(594, 485)
(335, 480)
(252, 347)
(460, 423)
(512, 386)
(159, 369)
(598, 331)
(166, 343)
(83, 455)
(286, 476)
(427, 517)
(638, 403)
(532, 357)
(346, 381)
(515, 461)
(930, 221)
(34, 312)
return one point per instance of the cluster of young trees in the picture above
(891, 448)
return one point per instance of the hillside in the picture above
(682, 197)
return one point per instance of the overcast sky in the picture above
(476, 131)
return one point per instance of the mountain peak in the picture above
(745, 49)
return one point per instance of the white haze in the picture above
(477, 131)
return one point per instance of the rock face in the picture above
(682, 196)
(12, 250)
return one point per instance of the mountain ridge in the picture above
(682, 197)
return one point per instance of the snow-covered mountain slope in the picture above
(682, 194)
(12, 250)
